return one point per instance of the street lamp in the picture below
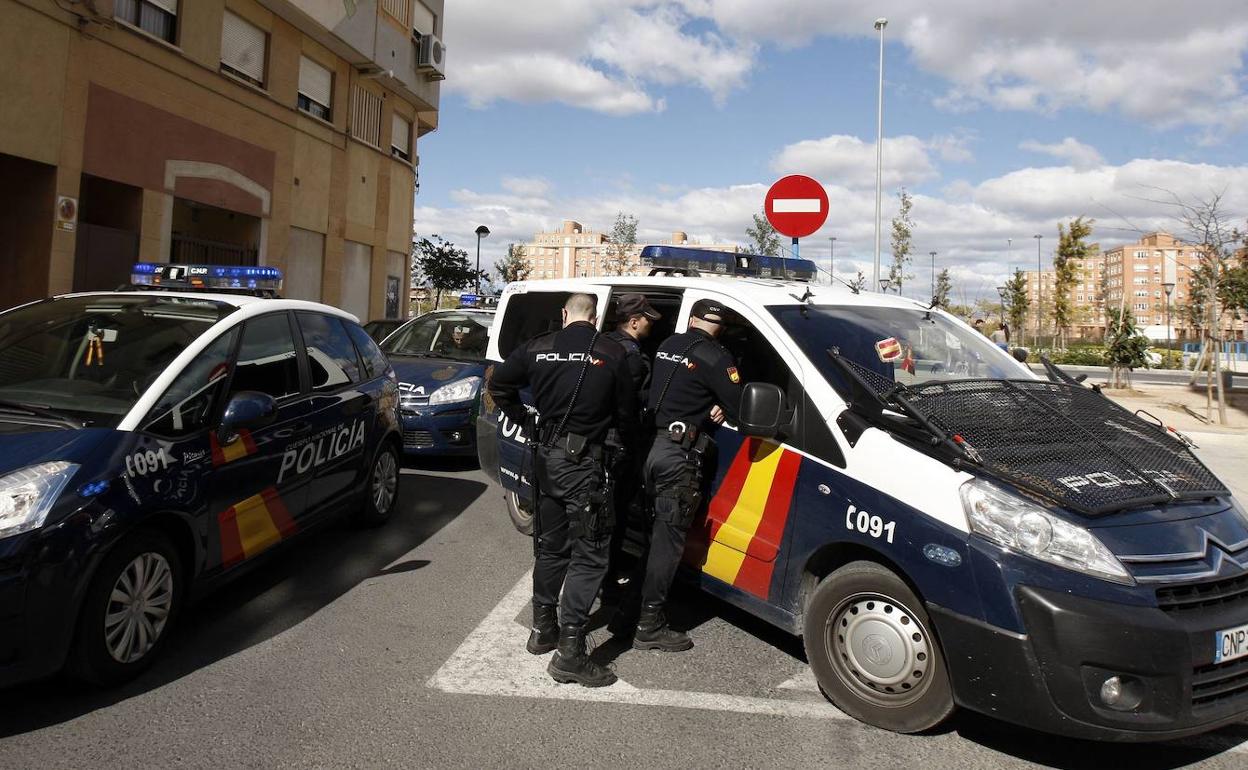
(884, 285)
(482, 231)
(933, 255)
(880, 24)
(1039, 291)
(1169, 287)
(832, 258)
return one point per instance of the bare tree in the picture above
(620, 245)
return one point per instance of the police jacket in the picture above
(550, 365)
(703, 373)
(638, 365)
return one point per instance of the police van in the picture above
(941, 526)
(156, 440)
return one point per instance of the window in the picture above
(401, 138)
(366, 116)
(375, 362)
(155, 17)
(331, 356)
(423, 20)
(266, 358)
(316, 87)
(190, 403)
(243, 49)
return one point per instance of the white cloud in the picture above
(521, 185)
(1070, 149)
(850, 162)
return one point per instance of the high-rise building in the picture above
(573, 251)
(247, 132)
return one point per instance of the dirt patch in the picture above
(1183, 407)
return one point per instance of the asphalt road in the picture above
(403, 647)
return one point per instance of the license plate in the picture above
(1230, 643)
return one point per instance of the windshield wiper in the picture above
(41, 411)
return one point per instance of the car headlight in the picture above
(460, 390)
(1023, 526)
(27, 495)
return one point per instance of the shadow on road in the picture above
(292, 585)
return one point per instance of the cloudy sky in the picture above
(1002, 119)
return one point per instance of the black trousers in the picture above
(668, 472)
(575, 529)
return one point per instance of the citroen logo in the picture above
(876, 650)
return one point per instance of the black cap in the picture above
(631, 305)
(709, 310)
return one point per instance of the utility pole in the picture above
(832, 259)
(880, 24)
(933, 254)
(1039, 291)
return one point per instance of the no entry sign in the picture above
(796, 206)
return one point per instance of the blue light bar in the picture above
(206, 276)
(728, 263)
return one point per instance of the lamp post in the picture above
(1169, 287)
(933, 256)
(1039, 291)
(880, 24)
(884, 285)
(832, 258)
(482, 231)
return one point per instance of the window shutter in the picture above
(315, 82)
(401, 135)
(422, 19)
(366, 116)
(166, 5)
(242, 46)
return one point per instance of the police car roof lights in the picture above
(680, 260)
(250, 279)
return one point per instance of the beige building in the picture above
(270, 132)
(573, 251)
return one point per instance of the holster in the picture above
(593, 517)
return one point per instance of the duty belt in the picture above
(688, 436)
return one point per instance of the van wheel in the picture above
(129, 609)
(518, 510)
(382, 493)
(870, 645)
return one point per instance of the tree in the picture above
(1071, 251)
(859, 283)
(515, 266)
(442, 267)
(903, 232)
(763, 238)
(621, 242)
(944, 285)
(1017, 301)
(1124, 347)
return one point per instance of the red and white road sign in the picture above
(796, 206)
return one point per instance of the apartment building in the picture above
(573, 251)
(1143, 269)
(266, 132)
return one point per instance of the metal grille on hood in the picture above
(1066, 442)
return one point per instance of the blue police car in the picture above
(156, 440)
(439, 358)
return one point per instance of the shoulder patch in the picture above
(733, 375)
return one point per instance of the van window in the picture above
(529, 315)
(191, 400)
(266, 358)
(375, 362)
(331, 356)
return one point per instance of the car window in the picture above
(375, 362)
(266, 358)
(331, 356)
(190, 401)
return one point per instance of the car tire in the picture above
(382, 488)
(872, 651)
(518, 510)
(114, 640)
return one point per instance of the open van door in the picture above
(525, 311)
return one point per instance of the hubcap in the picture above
(138, 607)
(879, 649)
(385, 481)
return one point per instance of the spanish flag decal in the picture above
(748, 514)
(255, 524)
(234, 450)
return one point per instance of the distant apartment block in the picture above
(573, 251)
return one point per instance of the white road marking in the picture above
(796, 205)
(803, 682)
(493, 661)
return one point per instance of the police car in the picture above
(154, 441)
(439, 359)
(940, 525)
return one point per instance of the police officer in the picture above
(696, 386)
(635, 318)
(581, 385)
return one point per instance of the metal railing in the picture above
(190, 250)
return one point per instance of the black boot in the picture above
(545, 634)
(624, 621)
(572, 664)
(653, 632)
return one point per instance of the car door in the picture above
(342, 413)
(259, 499)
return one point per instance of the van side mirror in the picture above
(1020, 355)
(247, 409)
(763, 410)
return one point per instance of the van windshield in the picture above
(89, 358)
(905, 345)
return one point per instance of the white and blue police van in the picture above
(939, 524)
(161, 439)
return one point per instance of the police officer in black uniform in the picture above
(635, 318)
(581, 385)
(696, 386)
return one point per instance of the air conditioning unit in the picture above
(431, 57)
